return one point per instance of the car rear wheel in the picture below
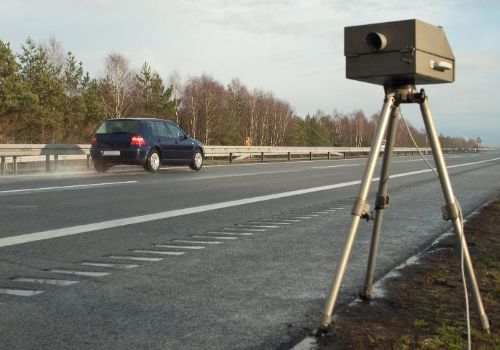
(100, 166)
(197, 162)
(153, 162)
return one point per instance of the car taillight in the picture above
(137, 140)
(93, 140)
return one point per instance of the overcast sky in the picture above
(293, 48)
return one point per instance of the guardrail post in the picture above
(14, 164)
(262, 157)
(289, 156)
(328, 155)
(47, 162)
(345, 155)
(88, 161)
(56, 161)
(3, 168)
(230, 157)
(310, 155)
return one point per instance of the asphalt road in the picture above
(231, 257)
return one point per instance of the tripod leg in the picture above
(452, 209)
(361, 209)
(381, 203)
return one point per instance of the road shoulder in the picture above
(421, 303)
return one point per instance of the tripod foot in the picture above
(323, 330)
(365, 294)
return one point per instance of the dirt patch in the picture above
(424, 307)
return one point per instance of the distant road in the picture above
(231, 257)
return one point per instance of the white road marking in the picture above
(214, 237)
(137, 258)
(22, 206)
(68, 231)
(244, 229)
(335, 166)
(81, 273)
(83, 186)
(195, 242)
(270, 222)
(231, 233)
(306, 215)
(237, 165)
(257, 226)
(194, 247)
(294, 217)
(286, 219)
(45, 281)
(111, 265)
(20, 292)
(408, 161)
(161, 252)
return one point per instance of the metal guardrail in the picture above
(14, 153)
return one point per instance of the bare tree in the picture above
(118, 85)
(55, 54)
(174, 80)
(189, 113)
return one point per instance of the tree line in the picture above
(46, 96)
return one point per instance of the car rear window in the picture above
(118, 126)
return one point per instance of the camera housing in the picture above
(398, 53)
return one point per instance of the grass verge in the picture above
(423, 308)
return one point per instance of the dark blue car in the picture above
(144, 141)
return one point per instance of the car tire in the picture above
(197, 161)
(100, 166)
(153, 162)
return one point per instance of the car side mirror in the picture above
(187, 136)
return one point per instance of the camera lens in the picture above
(376, 41)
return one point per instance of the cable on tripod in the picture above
(461, 237)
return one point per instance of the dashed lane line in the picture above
(110, 265)
(194, 247)
(48, 281)
(195, 242)
(227, 238)
(135, 258)
(230, 233)
(80, 273)
(257, 226)
(20, 292)
(270, 222)
(160, 252)
(244, 229)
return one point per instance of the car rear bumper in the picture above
(120, 156)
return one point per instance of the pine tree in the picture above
(44, 80)
(95, 109)
(74, 106)
(155, 99)
(15, 99)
